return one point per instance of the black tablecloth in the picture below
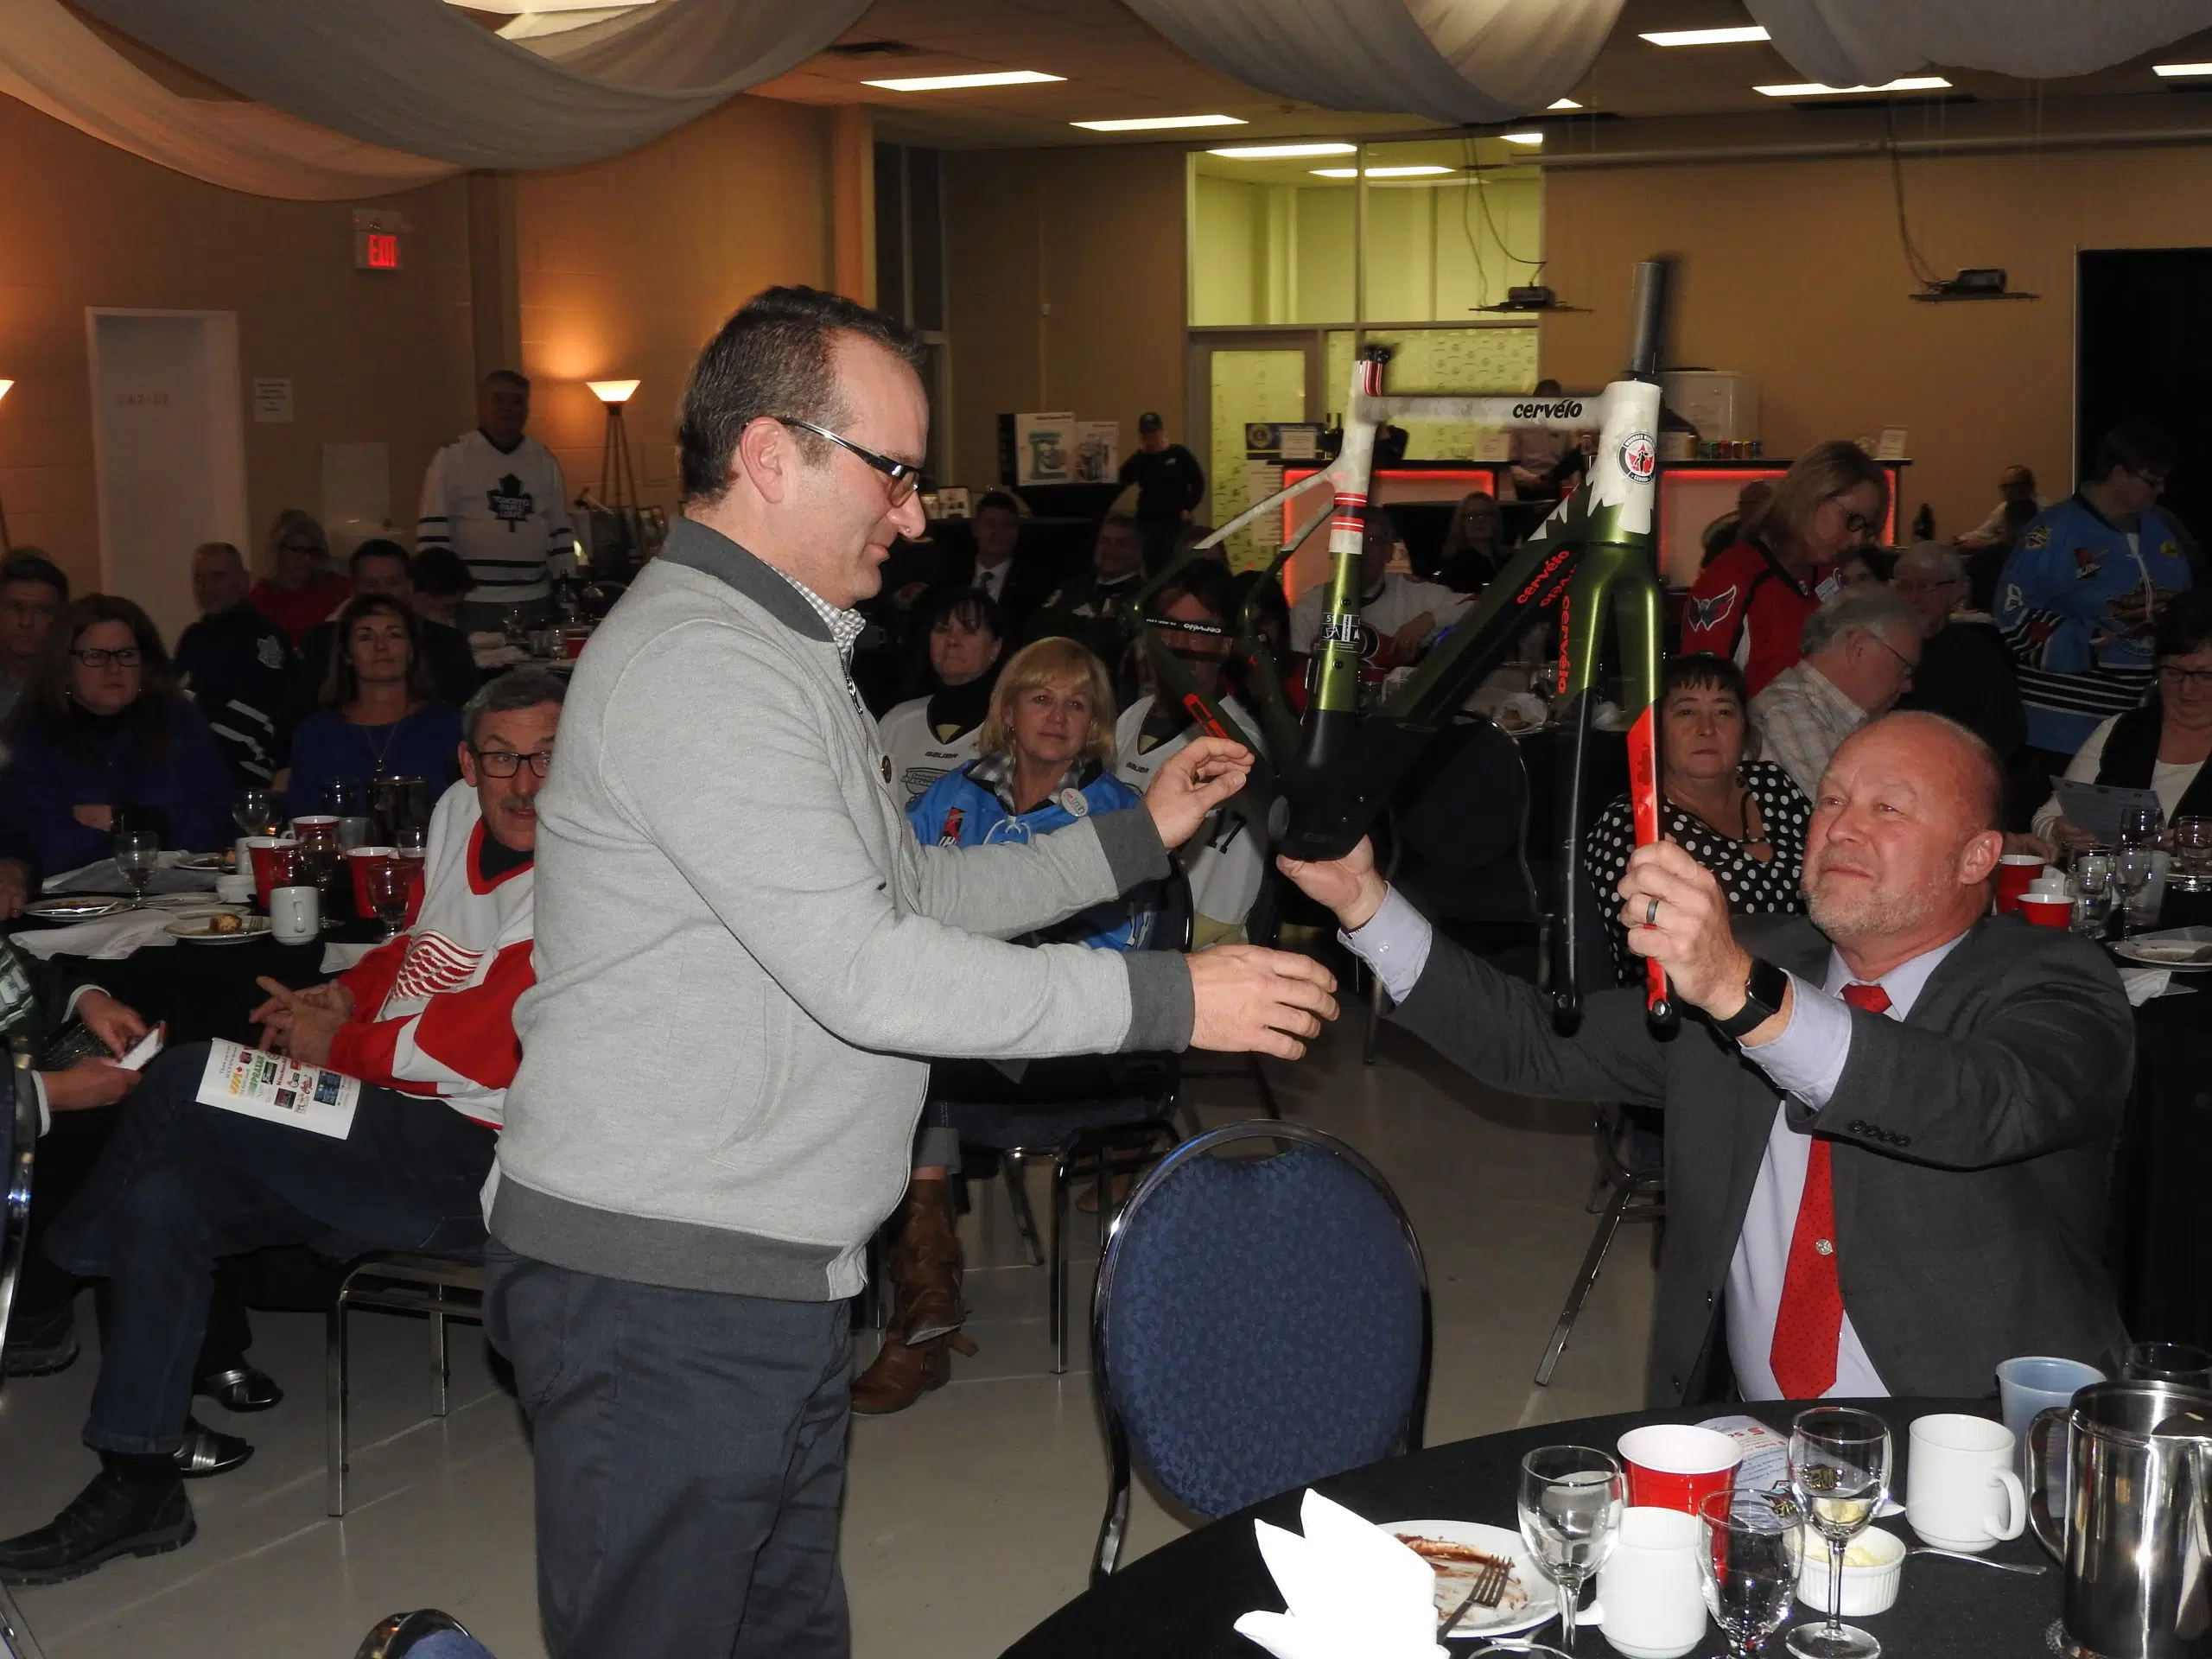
(2163, 1250)
(1184, 1599)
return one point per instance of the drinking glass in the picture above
(2139, 826)
(2167, 1362)
(258, 812)
(2132, 874)
(2192, 851)
(347, 799)
(134, 853)
(1747, 1560)
(2093, 871)
(390, 882)
(1570, 1501)
(1839, 1474)
(413, 840)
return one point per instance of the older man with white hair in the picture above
(1964, 671)
(1861, 649)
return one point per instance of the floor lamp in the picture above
(618, 480)
(6, 386)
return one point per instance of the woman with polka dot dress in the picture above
(1743, 820)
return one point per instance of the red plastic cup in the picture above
(572, 641)
(2016, 874)
(276, 864)
(360, 861)
(1677, 1466)
(2047, 913)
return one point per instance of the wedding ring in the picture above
(1651, 912)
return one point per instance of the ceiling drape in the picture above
(1866, 42)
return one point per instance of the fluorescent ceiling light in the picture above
(1160, 123)
(612, 391)
(1705, 36)
(1562, 104)
(1268, 152)
(1422, 172)
(2174, 70)
(1523, 137)
(949, 82)
(1813, 89)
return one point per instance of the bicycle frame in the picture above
(1326, 779)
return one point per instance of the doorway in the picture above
(1240, 377)
(168, 451)
(2142, 351)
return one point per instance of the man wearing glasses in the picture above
(426, 1022)
(745, 966)
(1860, 649)
(2079, 598)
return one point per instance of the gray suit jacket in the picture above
(1970, 1144)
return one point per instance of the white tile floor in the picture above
(969, 1516)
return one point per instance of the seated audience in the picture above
(2081, 593)
(2161, 747)
(1862, 567)
(1104, 590)
(33, 590)
(1403, 615)
(1536, 452)
(931, 735)
(1886, 1150)
(1858, 651)
(1728, 529)
(1046, 747)
(1750, 603)
(1964, 671)
(1475, 547)
(2016, 490)
(1187, 536)
(1000, 572)
(236, 666)
(442, 585)
(425, 1022)
(102, 733)
(1227, 860)
(380, 716)
(379, 566)
(305, 589)
(1743, 820)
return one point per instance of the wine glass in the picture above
(2136, 862)
(1839, 1474)
(1747, 1560)
(2139, 826)
(134, 853)
(2093, 874)
(1570, 1501)
(390, 882)
(258, 812)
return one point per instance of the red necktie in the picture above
(1810, 1323)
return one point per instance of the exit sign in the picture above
(376, 238)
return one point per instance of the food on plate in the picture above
(1461, 1565)
(224, 922)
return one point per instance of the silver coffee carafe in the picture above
(2136, 1535)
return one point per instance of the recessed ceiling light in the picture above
(2174, 70)
(1523, 137)
(1813, 89)
(1266, 152)
(1423, 172)
(1160, 123)
(1562, 104)
(1705, 36)
(948, 83)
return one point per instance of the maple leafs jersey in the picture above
(505, 514)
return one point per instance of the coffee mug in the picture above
(2015, 871)
(1959, 1490)
(1675, 1465)
(295, 914)
(1654, 1606)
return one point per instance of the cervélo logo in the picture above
(1567, 409)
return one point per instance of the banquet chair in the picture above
(442, 1287)
(18, 1151)
(1261, 1322)
(426, 1634)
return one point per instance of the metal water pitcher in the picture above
(2136, 1535)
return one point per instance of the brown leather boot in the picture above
(926, 1268)
(900, 1376)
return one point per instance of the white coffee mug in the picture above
(1654, 1607)
(1960, 1490)
(295, 914)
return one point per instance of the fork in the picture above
(1489, 1590)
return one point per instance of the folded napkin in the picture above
(103, 876)
(108, 939)
(1353, 1590)
(2144, 983)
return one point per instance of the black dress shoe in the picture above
(39, 1347)
(239, 1389)
(111, 1517)
(207, 1452)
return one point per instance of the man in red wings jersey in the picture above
(426, 1023)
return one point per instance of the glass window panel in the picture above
(1492, 359)
(1248, 385)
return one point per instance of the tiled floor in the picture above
(969, 1516)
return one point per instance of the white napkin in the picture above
(1353, 1590)
(337, 958)
(2144, 983)
(108, 939)
(103, 876)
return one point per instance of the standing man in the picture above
(2016, 491)
(33, 592)
(497, 498)
(1860, 649)
(743, 958)
(238, 665)
(1170, 482)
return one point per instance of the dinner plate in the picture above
(2179, 954)
(74, 910)
(216, 862)
(1537, 1596)
(199, 929)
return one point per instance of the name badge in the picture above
(1073, 804)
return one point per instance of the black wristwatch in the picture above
(1763, 993)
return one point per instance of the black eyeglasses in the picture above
(504, 763)
(904, 477)
(2155, 480)
(1857, 522)
(122, 656)
(2187, 679)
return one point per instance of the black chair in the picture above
(18, 1151)
(441, 1288)
(1260, 1323)
(426, 1634)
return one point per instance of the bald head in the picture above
(1974, 775)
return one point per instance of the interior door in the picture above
(1240, 380)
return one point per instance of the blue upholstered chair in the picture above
(428, 1634)
(1261, 1322)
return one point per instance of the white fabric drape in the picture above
(1457, 61)
(415, 75)
(1866, 42)
(50, 60)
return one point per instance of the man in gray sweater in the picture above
(744, 963)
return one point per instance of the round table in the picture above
(1185, 1597)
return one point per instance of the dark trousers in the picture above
(691, 1458)
(179, 1185)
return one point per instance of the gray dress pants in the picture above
(690, 1463)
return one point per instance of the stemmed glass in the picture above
(1570, 1502)
(2131, 871)
(258, 812)
(1839, 1474)
(2094, 868)
(134, 853)
(1747, 1560)
(390, 882)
